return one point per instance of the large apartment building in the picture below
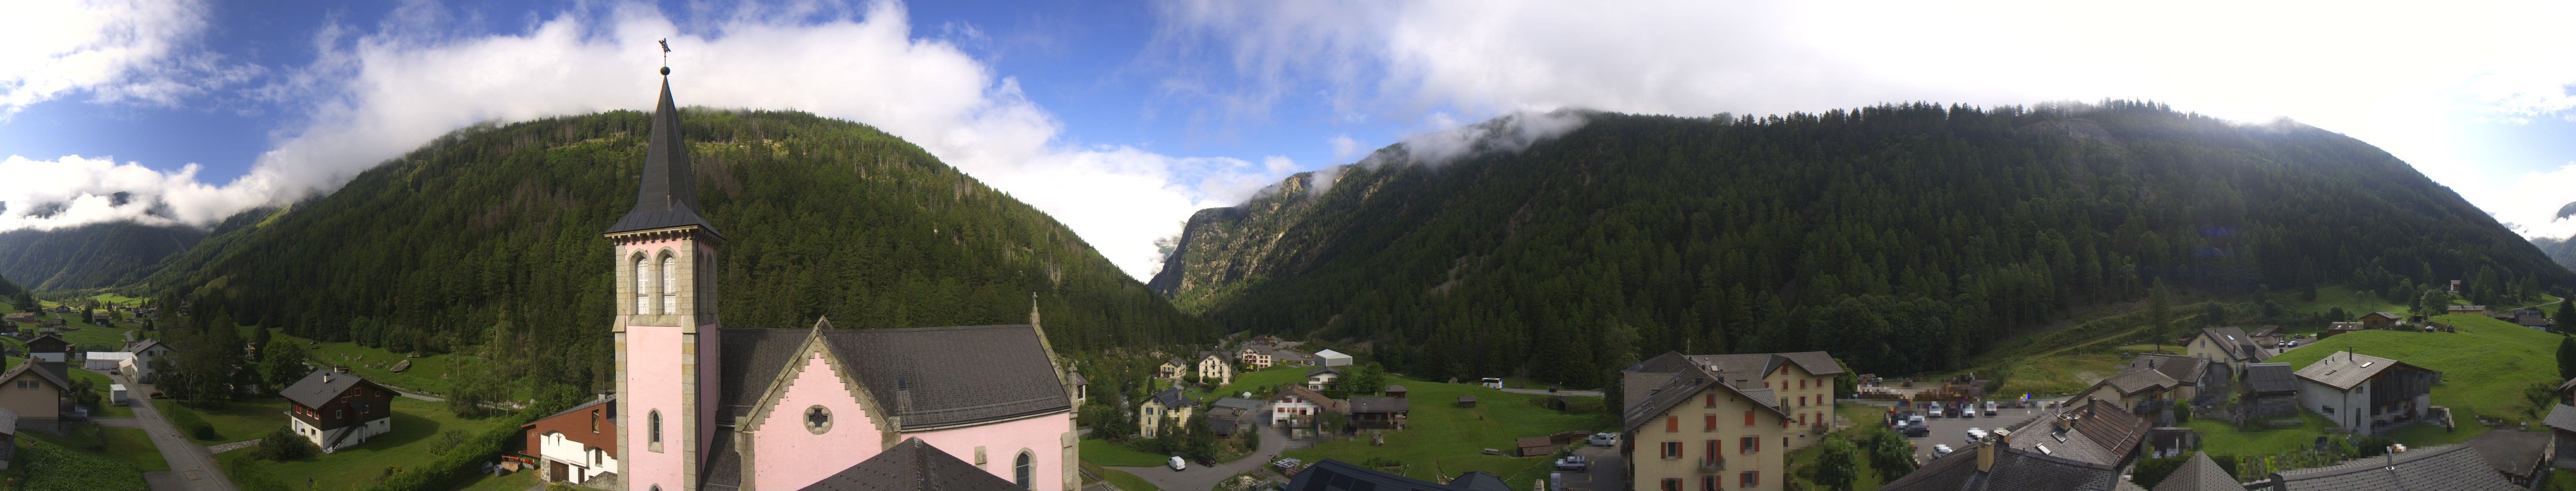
(1704, 431)
(1802, 383)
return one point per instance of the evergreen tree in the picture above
(2566, 357)
(2159, 313)
(2566, 314)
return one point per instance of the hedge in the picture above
(249, 474)
(188, 422)
(54, 468)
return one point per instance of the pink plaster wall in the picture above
(1002, 443)
(652, 384)
(787, 456)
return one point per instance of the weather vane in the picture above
(666, 56)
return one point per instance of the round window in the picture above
(818, 419)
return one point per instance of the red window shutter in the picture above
(1672, 484)
(1707, 483)
(1713, 451)
(1752, 478)
(1672, 424)
(1748, 418)
(1802, 420)
(1712, 400)
(1711, 419)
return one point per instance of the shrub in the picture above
(2153, 470)
(282, 445)
(189, 422)
(465, 460)
(447, 440)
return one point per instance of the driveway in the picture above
(192, 468)
(1198, 477)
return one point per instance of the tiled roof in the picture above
(1318, 398)
(1236, 403)
(609, 414)
(2102, 433)
(1173, 399)
(2562, 417)
(1814, 362)
(1686, 386)
(2514, 453)
(319, 387)
(54, 374)
(2014, 470)
(2199, 474)
(2449, 468)
(2139, 381)
(1379, 405)
(2346, 369)
(2184, 370)
(2270, 378)
(724, 465)
(1012, 375)
(2234, 342)
(2389, 315)
(912, 466)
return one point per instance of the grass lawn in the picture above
(427, 373)
(1861, 415)
(416, 423)
(2058, 374)
(2221, 438)
(516, 481)
(2560, 481)
(2353, 302)
(2170, 349)
(1262, 382)
(1111, 454)
(128, 445)
(2428, 434)
(1127, 482)
(1865, 478)
(1443, 440)
(239, 420)
(107, 409)
(2485, 366)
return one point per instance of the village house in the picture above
(1321, 378)
(1378, 413)
(2152, 382)
(1803, 382)
(140, 367)
(2562, 428)
(2535, 320)
(39, 393)
(2363, 394)
(49, 348)
(1229, 416)
(575, 445)
(27, 318)
(1253, 359)
(2227, 346)
(1166, 409)
(104, 360)
(2449, 468)
(2081, 446)
(1214, 368)
(2381, 320)
(8, 437)
(2465, 309)
(337, 410)
(1703, 430)
(1172, 369)
(708, 407)
(2333, 329)
(1297, 405)
(2267, 390)
(1332, 358)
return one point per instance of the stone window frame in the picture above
(653, 430)
(1024, 469)
(808, 419)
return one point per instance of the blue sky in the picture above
(1120, 118)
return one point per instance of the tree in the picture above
(2159, 313)
(2566, 314)
(1835, 466)
(1890, 454)
(2566, 357)
(283, 363)
(1367, 379)
(2543, 397)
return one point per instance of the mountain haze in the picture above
(90, 256)
(1902, 237)
(488, 241)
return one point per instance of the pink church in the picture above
(730, 409)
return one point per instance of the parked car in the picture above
(1915, 427)
(1991, 406)
(1935, 412)
(1572, 463)
(1178, 464)
(1965, 410)
(1976, 434)
(1939, 451)
(1605, 439)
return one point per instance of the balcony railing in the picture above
(1712, 465)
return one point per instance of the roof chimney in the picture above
(1986, 454)
(326, 377)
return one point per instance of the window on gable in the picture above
(1672, 424)
(1711, 420)
(1711, 400)
(1748, 418)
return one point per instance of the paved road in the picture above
(192, 468)
(1586, 393)
(1198, 477)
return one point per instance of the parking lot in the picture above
(1954, 431)
(1604, 475)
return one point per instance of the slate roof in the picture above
(1321, 370)
(2139, 381)
(2390, 315)
(912, 466)
(2447, 468)
(2199, 474)
(1814, 362)
(668, 196)
(2101, 434)
(319, 387)
(2562, 417)
(1379, 405)
(144, 345)
(49, 340)
(8, 421)
(2014, 470)
(2264, 378)
(1012, 375)
(724, 465)
(1688, 385)
(2184, 370)
(1173, 399)
(610, 414)
(2344, 369)
(54, 374)
(2513, 453)
(1336, 475)
(2234, 342)
(1317, 398)
(1236, 403)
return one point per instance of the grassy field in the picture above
(2222, 438)
(44, 465)
(2353, 302)
(128, 445)
(1866, 477)
(427, 373)
(1127, 482)
(1111, 454)
(239, 420)
(1260, 383)
(516, 481)
(2484, 367)
(1443, 440)
(416, 427)
(2058, 374)
(107, 408)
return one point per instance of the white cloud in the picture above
(1344, 147)
(75, 190)
(116, 50)
(375, 95)
(2392, 74)
(2530, 204)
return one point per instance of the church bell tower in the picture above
(667, 335)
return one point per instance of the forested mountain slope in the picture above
(1903, 237)
(2562, 250)
(89, 256)
(490, 237)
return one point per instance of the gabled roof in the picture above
(912, 466)
(1814, 362)
(2449, 468)
(2270, 378)
(2184, 370)
(56, 340)
(2513, 453)
(2234, 342)
(54, 374)
(2390, 315)
(2562, 418)
(146, 345)
(2139, 380)
(2462, 308)
(317, 388)
(1012, 376)
(1685, 387)
(1379, 405)
(2344, 369)
(2199, 474)
(668, 196)
(1324, 370)
(2101, 433)
(609, 413)
(1318, 398)
(1236, 403)
(1172, 399)
(1330, 354)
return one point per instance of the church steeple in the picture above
(669, 195)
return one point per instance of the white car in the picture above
(1605, 439)
(1991, 407)
(1976, 434)
(1178, 464)
(1941, 450)
(1935, 413)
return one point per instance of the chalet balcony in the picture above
(1712, 465)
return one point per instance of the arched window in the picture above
(1025, 471)
(653, 426)
(643, 287)
(670, 284)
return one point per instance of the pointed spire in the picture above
(821, 323)
(668, 196)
